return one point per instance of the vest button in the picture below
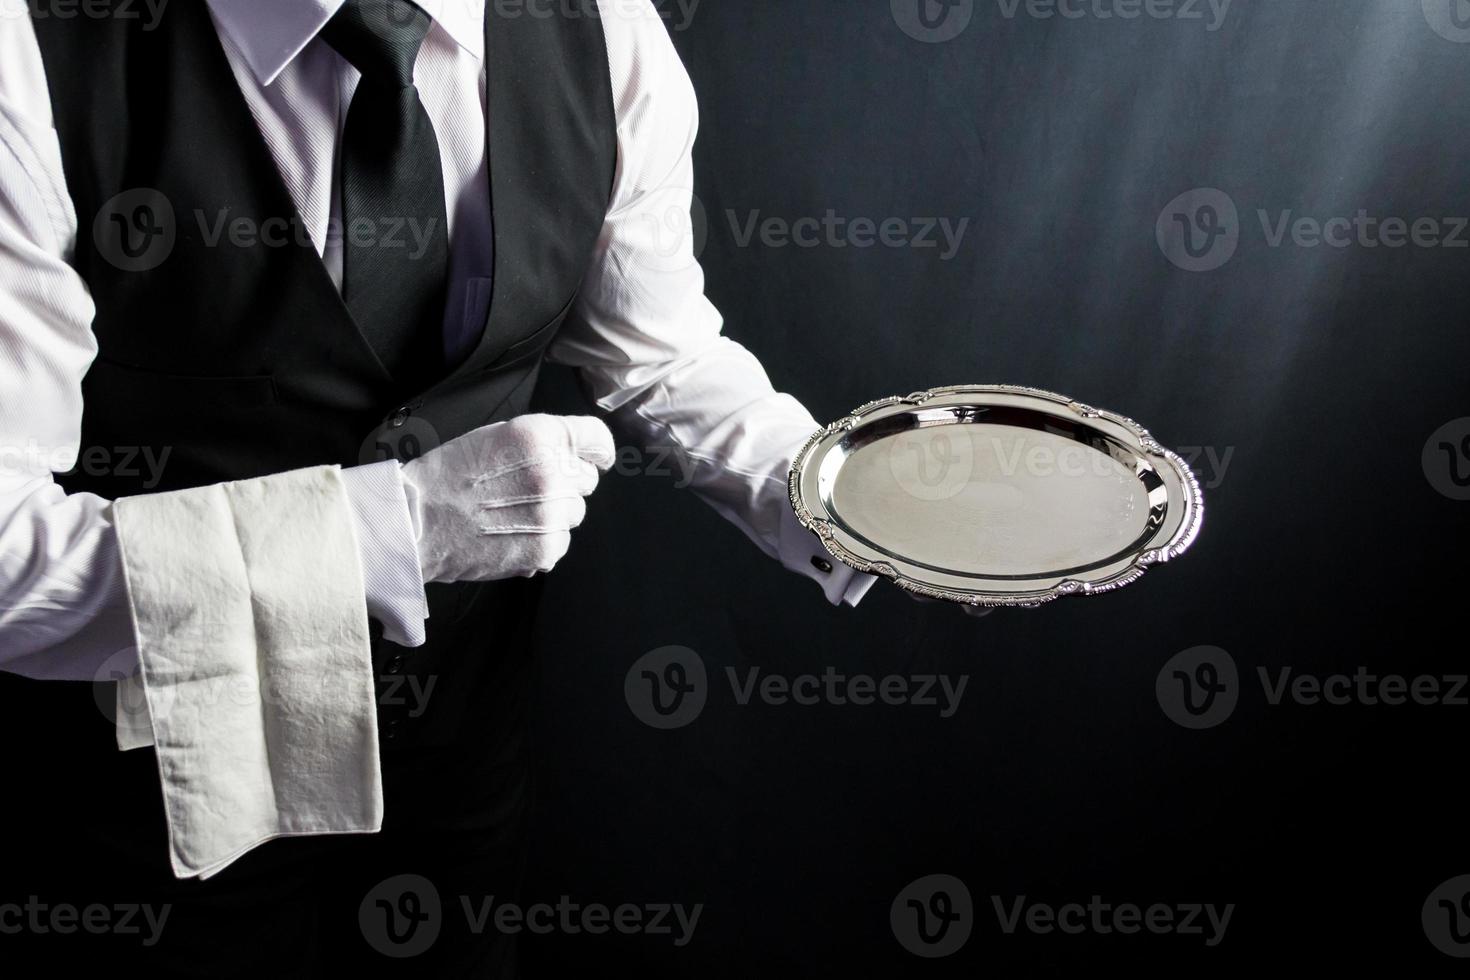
(399, 417)
(395, 665)
(821, 564)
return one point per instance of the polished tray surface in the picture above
(995, 495)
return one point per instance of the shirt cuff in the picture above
(801, 551)
(387, 539)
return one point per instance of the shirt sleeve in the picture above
(63, 608)
(647, 342)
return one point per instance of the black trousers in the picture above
(85, 843)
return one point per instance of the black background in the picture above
(1324, 371)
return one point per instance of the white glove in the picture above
(501, 501)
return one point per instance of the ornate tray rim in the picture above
(827, 532)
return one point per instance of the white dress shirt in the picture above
(643, 336)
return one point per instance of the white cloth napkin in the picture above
(252, 633)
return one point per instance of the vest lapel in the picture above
(539, 124)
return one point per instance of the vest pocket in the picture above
(178, 392)
(538, 340)
(200, 429)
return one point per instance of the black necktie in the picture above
(394, 231)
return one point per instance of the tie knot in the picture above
(380, 38)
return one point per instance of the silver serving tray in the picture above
(995, 495)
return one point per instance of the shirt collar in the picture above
(271, 33)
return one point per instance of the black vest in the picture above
(237, 355)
